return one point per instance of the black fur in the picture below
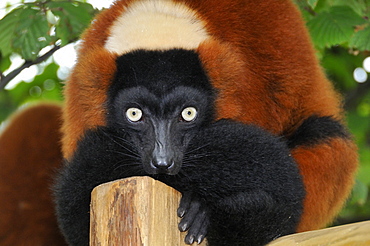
(239, 183)
(244, 180)
(159, 71)
(315, 130)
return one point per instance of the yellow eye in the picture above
(189, 114)
(134, 114)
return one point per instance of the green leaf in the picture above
(74, 17)
(31, 33)
(312, 3)
(323, 5)
(24, 30)
(7, 30)
(359, 6)
(334, 26)
(361, 39)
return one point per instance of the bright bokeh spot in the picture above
(360, 75)
(66, 58)
(366, 64)
(99, 4)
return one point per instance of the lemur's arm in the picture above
(102, 155)
(243, 182)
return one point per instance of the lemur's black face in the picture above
(161, 99)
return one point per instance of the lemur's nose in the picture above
(162, 164)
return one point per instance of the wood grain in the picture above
(135, 211)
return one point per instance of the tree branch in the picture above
(310, 11)
(6, 79)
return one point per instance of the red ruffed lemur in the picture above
(224, 101)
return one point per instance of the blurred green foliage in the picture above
(340, 30)
(45, 86)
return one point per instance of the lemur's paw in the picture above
(194, 218)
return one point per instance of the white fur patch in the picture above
(156, 25)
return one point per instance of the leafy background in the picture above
(340, 30)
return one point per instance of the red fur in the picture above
(30, 154)
(327, 171)
(85, 94)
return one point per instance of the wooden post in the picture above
(135, 211)
(141, 211)
(357, 234)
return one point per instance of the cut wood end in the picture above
(135, 211)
